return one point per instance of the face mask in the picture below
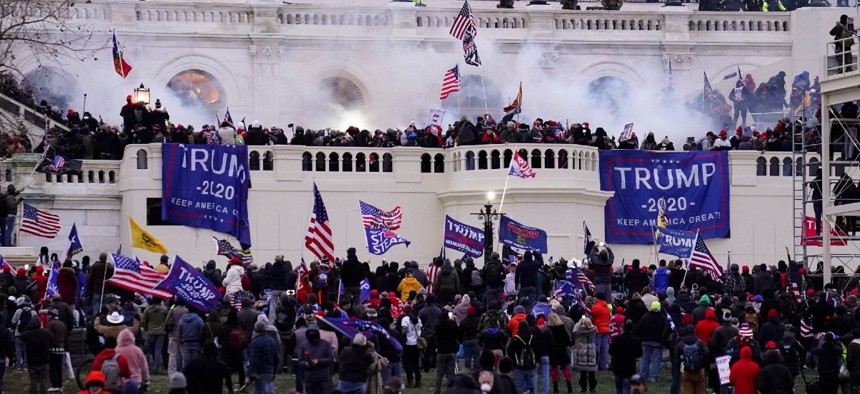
(486, 387)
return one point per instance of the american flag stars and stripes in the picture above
(450, 82)
(135, 276)
(223, 248)
(319, 239)
(464, 21)
(39, 223)
(583, 280)
(701, 257)
(375, 218)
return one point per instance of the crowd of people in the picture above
(500, 328)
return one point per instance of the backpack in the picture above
(110, 368)
(476, 279)
(526, 358)
(495, 276)
(238, 339)
(24, 319)
(738, 284)
(692, 357)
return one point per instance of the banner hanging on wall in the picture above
(206, 186)
(694, 186)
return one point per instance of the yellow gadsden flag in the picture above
(144, 240)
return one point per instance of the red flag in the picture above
(122, 68)
(303, 285)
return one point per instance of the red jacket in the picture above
(67, 283)
(124, 370)
(706, 327)
(600, 316)
(514, 325)
(41, 281)
(745, 373)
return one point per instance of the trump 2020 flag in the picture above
(676, 242)
(520, 236)
(190, 285)
(564, 288)
(365, 290)
(52, 288)
(464, 238)
(520, 167)
(380, 240)
(75, 245)
(350, 327)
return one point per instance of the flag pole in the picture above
(504, 192)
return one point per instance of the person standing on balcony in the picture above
(10, 204)
(844, 38)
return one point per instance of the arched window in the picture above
(562, 158)
(609, 93)
(333, 162)
(254, 161)
(786, 166)
(425, 163)
(269, 161)
(536, 163)
(774, 166)
(101, 177)
(549, 159)
(439, 163)
(91, 176)
(320, 162)
(387, 163)
(374, 162)
(111, 177)
(495, 160)
(482, 160)
(509, 155)
(360, 165)
(142, 163)
(70, 180)
(470, 160)
(761, 166)
(58, 178)
(347, 162)
(198, 88)
(306, 162)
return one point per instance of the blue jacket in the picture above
(190, 328)
(661, 280)
(263, 355)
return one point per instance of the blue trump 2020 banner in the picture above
(518, 235)
(206, 186)
(676, 242)
(190, 285)
(692, 186)
(464, 238)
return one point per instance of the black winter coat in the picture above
(278, 275)
(624, 350)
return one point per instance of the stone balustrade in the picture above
(404, 19)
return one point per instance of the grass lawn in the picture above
(18, 382)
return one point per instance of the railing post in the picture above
(123, 13)
(676, 23)
(540, 19)
(402, 16)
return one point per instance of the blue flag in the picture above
(190, 285)
(564, 288)
(541, 308)
(464, 238)
(380, 240)
(676, 242)
(75, 245)
(52, 280)
(350, 327)
(365, 290)
(206, 186)
(520, 236)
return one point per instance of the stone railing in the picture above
(29, 115)
(539, 156)
(401, 18)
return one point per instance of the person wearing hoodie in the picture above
(108, 353)
(213, 273)
(522, 350)
(21, 321)
(315, 357)
(601, 261)
(41, 281)
(153, 325)
(600, 315)
(190, 333)
(351, 274)
(744, 374)
(793, 351)
(262, 361)
(660, 279)
(99, 271)
(447, 284)
(58, 331)
(526, 277)
(408, 284)
(774, 377)
(514, 324)
(694, 357)
(635, 279)
(636, 309)
(707, 326)
(37, 344)
(67, 283)
(625, 349)
(829, 357)
(136, 360)
(354, 362)
(651, 330)
(722, 335)
(763, 280)
(772, 330)
(233, 279)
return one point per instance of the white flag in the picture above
(435, 117)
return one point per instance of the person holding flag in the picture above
(100, 272)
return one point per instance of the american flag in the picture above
(375, 218)
(223, 248)
(583, 280)
(58, 163)
(805, 329)
(39, 223)
(701, 257)
(464, 21)
(520, 167)
(319, 238)
(432, 273)
(798, 296)
(135, 276)
(450, 83)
